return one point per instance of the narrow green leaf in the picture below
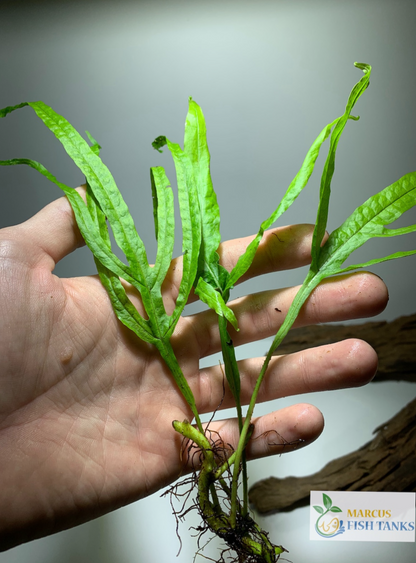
(365, 222)
(296, 186)
(196, 147)
(164, 214)
(85, 223)
(9, 109)
(214, 300)
(102, 184)
(104, 201)
(95, 147)
(329, 168)
(335, 509)
(123, 307)
(230, 363)
(393, 256)
(111, 203)
(97, 216)
(191, 227)
(154, 201)
(368, 221)
(319, 509)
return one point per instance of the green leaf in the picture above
(296, 186)
(159, 142)
(86, 224)
(9, 109)
(191, 227)
(319, 509)
(104, 202)
(196, 147)
(164, 217)
(335, 509)
(214, 300)
(102, 185)
(97, 216)
(327, 501)
(367, 221)
(155, 198)
(329, 168)
(230, 363)
(95, 147)
(393, 256)
(124, 309)
(112, 205)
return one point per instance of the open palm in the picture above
(86, 408)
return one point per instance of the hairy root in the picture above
(211, 480)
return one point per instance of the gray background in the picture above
(268, 75)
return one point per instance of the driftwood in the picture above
(388, 462)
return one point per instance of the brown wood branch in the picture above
(388, 462)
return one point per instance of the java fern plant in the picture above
(222, 473)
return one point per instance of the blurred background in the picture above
(268, 75)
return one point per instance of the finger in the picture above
(52, 232)
(283, 248)
(260, 315)
(281, 431)
(280, 249)
(350, 363)
(278, 432)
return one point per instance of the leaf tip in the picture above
(159, 142)
(95, 146)
(365, 67)
(9, 109)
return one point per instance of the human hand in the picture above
(86, 408)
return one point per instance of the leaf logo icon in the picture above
(328, 526)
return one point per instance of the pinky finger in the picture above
(285, 430)
(278, 432)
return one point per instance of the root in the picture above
(280, 441)
(209, 493)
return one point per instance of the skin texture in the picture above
(86, 409)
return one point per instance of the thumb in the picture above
(52, 232)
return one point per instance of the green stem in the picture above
(230, 365)
(216, 519)
(168, 355)
(214, 516)
(230, 461)
(233, 377)
(311, 281)
(215, 500)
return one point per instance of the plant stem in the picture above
(233, 377)
(168, 355)
(217, 520)
(311, 281)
